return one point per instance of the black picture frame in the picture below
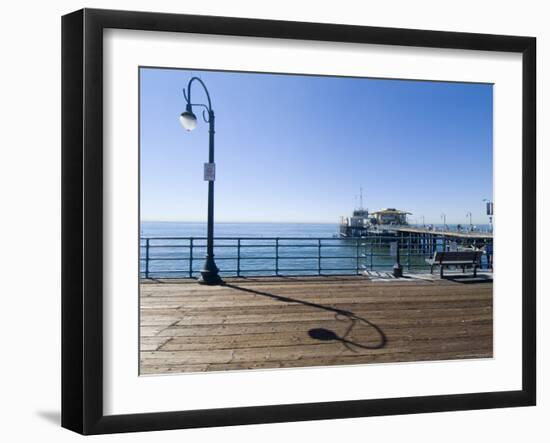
(82, 218)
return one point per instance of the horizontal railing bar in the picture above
(242, 246)
(166, 258)
(281, 245)
(252, 238)
(264, 258)
(350, 239)
(316, 271)
(418, 254)
(412, 254)
(185, 273)
(168, 246)
(388, 265)
(257, 270)
(329, 257)
(246, 258)
(271, 257)
(254, 246)
(286, 245)
(169, 271)
(260, 258)
(311, 257)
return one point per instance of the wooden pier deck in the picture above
(283, 322)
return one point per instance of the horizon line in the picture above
(288, 222)
(238, 221)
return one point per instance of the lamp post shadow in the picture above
(323, 334)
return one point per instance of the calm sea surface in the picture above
(176, 249)
(178, 229)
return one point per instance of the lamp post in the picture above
(489, 205)
(469, 215)
(209, 272)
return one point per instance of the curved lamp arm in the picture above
(187, 96)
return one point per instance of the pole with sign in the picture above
(210, 172)
(209, 272)
(490, 207)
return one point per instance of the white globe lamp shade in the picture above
(188, 120)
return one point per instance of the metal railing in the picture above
(183, 257)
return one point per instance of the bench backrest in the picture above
(469, 256)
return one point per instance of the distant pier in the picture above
(390, 224)
(422, 241)
(445, 233)
(389, 231)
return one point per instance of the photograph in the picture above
(293, 220)
(267, 221)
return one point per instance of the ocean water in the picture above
(177, 249)
(184, 229)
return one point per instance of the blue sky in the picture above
(298, 148)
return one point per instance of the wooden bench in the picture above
(455, 258)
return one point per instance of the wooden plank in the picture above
(252, 328)
(264, 323)
(153, 343)
(327, 350)
(158, 367)
(259, 302)
(361, 337)
(297, 307)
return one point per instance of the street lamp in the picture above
(490, 206)
(209, 272)
(469, 214)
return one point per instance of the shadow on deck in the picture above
(327, 334)
(274, 322)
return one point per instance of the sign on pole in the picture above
(489, 208)
(210, 172)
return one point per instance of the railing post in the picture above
(318, 256)
(239, 257)
(409, 253)
(371, 256)
(147, 258)
(397, 268)
(357, 256)
(277, 256)
(191, 257)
